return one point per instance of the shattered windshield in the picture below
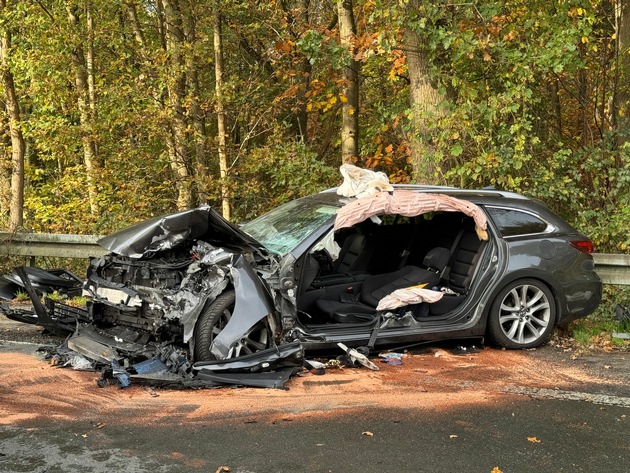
(285, 227)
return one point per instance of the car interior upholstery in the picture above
(439, 252)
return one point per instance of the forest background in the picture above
(116, 110)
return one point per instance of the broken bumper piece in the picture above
(123, 357)
(270, 368)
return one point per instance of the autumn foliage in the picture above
(119, 104)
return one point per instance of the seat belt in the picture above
(374, 334)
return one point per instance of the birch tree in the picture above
(221, 129)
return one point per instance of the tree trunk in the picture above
(583, 114)
(621, 104)
(85, 106)
(16, 203)
(350, 89)
(425, 105)
(197, 117)
(176, 86)
(556, 105)
(5, 164)
(135, 23)
(298, 24)
(221, 131)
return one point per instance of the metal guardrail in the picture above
(612, 268)
(50, 245)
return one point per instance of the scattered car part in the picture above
(357, 357)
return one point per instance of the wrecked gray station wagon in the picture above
(415, 264)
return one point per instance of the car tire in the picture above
(522, 315)
(213, 319)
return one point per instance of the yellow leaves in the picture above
(496, 470)
(327, 102)
(284, 47)
(399, 65)
(486, 56)
(533, 440)
(574, 12)
(511, 36)
(584, 39)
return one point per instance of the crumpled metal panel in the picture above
(146, 238)
(252, 305)
(290, 354)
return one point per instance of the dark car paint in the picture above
(511, 259)
(504, 260)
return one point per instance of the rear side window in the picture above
(512, 222)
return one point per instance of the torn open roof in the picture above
(409, 204)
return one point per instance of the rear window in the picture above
(512, 222)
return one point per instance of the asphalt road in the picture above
(580, 425)
(517, 435)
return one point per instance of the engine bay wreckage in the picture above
(189, 299)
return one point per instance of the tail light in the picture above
(585, 246)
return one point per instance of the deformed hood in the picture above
(169, 231)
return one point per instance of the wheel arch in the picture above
(544, 278)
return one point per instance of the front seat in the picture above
(350, 308)
(354, 255)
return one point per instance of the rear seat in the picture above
(458, 276)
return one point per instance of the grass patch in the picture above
(22, 296)
(595, 331)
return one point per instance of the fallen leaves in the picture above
(533, 439)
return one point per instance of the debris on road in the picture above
(391, 358)
(356, 357)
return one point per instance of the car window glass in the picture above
(515, 222)
(285, 227)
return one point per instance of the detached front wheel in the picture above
(211, 322)
(522, 315)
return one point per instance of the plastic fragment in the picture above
(355, 356)
(79, 363)
(315, 367)
(391, 358)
